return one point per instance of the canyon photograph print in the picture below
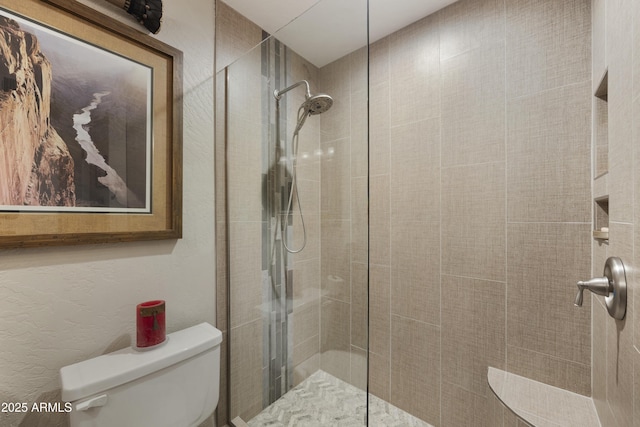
(75, 124)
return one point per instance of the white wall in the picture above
(62, 305)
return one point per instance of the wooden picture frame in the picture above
(144, 133)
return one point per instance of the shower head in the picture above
(317, 104)
(313, 104)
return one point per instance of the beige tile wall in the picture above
(616, 359)
(343, 219)
(540, 326)
(241, 154)
(306, 264)
(480, 205)
(239, 166)
(222, 415)
(235, 36)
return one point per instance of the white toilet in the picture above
(176, 384)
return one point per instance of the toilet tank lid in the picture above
(104, 372)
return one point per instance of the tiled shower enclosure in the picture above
(447, 201)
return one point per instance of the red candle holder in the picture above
(150, 325)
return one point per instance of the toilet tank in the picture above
(175, 384)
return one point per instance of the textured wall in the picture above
(62, 305)
(616, 359)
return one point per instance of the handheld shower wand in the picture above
(313, 104)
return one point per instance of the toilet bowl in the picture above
(176, 384)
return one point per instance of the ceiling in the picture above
(331, 29)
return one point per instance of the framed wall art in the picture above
(90, 128)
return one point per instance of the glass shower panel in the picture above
(296, 152)
(244, 234)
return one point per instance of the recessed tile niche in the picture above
(601, 160)
(601, 128)
(601, 218)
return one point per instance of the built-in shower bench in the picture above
(542, 405)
